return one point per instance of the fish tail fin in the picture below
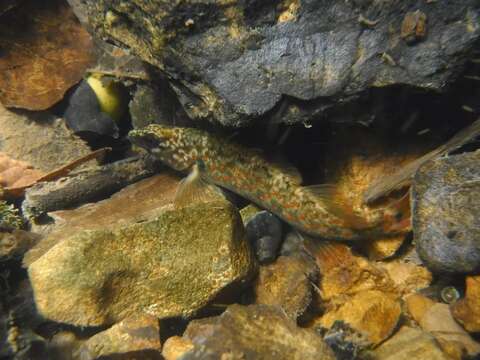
(336, 204)
(195, 189)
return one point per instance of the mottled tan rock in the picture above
(409, 344)
(39, 139)
(407, 277)
(253, 332)
(344, 274)
(138, 202)
(467, 310)
(371, 312)
(287, 283)
(175, 347)
(438, 321)
(418, 305)
(137, 335)
(170, 266)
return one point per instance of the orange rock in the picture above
(379, 249)
(370, 312)
(175, 347)
(467, 311)
(437, 319)
(344, 274)
(418, 305)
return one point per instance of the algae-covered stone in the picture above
(446, 209)
(170, 266)
(253, 332)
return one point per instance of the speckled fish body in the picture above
(249, 174)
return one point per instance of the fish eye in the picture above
(398, 216)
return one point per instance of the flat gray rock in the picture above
(446, 213)
(233, 62)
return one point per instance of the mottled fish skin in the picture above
(248, 174)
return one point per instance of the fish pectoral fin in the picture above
(335, 203)
(194, 189)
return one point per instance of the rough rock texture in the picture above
(409, 344)
(39, 139)
(253, 332)
(138, 336)
(287, 283)
(467, 310)
(138, 202)
(437, 319)
(446, 208)
(233, 61)
(371, 313)
(170, 266)
(175, 347)
(264, 232)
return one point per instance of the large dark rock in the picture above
(446, 213)
(235, 61)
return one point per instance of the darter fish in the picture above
(314, 210)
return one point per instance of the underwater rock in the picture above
(343, 274)
(264, 231)
(141, 201)
(175, 347)
(83, 186)
(467, 310)
(39, 138)
(137, 337)
(372, 313)
(253, 332)
(170, 266)
(156, 105)
(346, 342)
(16, 243)
(407, 277)
(409, 344)
(437, 319)
(232, 62)
(287, 283)
(83, 113)
(446, 208)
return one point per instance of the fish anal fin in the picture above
(332, 199)
(194, 189)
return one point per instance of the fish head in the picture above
(176, 147)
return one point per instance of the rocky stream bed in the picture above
(237, 180)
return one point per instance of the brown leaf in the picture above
(29, 177)
(44, 52)
(16, 173)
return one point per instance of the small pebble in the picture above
(264, 231)
(449, 294)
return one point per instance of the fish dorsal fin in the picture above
(335, 203)
(195, 189)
